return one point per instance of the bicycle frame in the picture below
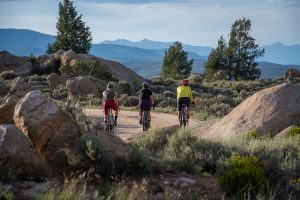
(109, 126)
(183, 116)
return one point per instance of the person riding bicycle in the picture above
(184, 96)
(146, 100)
(110, 100)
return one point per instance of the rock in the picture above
(292, 73)
(18, 153)
(67, 56)
(56, 135)
(18, 90)
(55, 80)
(51, 65)
(50, 129)
(268, 111)
(83, 85)
(58, 54)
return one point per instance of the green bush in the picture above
(31, 58)
(243, 175)
(153, 142)
(8, 75)
(294, 131)
(124, 88)
(180, 153)
(93, 68)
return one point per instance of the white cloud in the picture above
(198, 22)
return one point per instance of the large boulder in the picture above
(18, 90)
(19, 65)
(83, 85)
(268, 111)
(117, 70)
(55, 80)
(56, 135)
(50, 129)
(291, 73)
(18, 153)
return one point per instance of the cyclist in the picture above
(110, 100)
(184, 96)
(146, 100)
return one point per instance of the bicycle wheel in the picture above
(145, 120)
(183, 115)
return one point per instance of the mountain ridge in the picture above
(146, 61)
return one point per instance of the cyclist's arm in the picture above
(152, 99)
(116, 98)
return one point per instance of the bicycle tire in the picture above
(145, 120)
(183, 120)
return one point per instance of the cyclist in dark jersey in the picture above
(146, 100)
(110, 100)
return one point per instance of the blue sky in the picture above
(195, 22)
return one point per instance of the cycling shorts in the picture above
(145, 105)
(109, 104)
(183, 100)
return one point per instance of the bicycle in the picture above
(110, 124)
(145, 120)
(183, 116)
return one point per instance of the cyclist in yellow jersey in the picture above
(184, 96)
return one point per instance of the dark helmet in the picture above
(110, 86)
(145, 85)
(185, 82)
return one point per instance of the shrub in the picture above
(244, 175)
(5, 194)
(169, 94)
(153, 142)
(294, 131)
(8, 75)
(124, 87)
(180, 153)
(31, 58)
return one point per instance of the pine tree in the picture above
(72, 33)
(216, 59)
(242, 52)
(176, 63)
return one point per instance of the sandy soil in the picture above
(128, 124)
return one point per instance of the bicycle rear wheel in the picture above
(145, 120)
(183, 116)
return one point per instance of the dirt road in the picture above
(128, 121)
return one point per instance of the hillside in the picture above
(145, 57)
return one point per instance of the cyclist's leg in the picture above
(105, 110)
(179, 106)
(115, 107)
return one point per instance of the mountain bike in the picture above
(183, 116)
(110, 123)
(145, 120)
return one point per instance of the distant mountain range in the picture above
(145, 56)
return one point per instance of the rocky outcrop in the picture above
(17, 151)
(56, 135)
(55, 80)
(116, 69)
(19, 65)
(268, 111)
(291, 73)
(18, 90)
(50, 129)
(83, 85)
(221, 75)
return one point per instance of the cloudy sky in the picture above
(195, 22)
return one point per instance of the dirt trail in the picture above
(128, 121)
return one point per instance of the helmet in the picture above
(145, 85)
(185, 82)
(110, 86)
